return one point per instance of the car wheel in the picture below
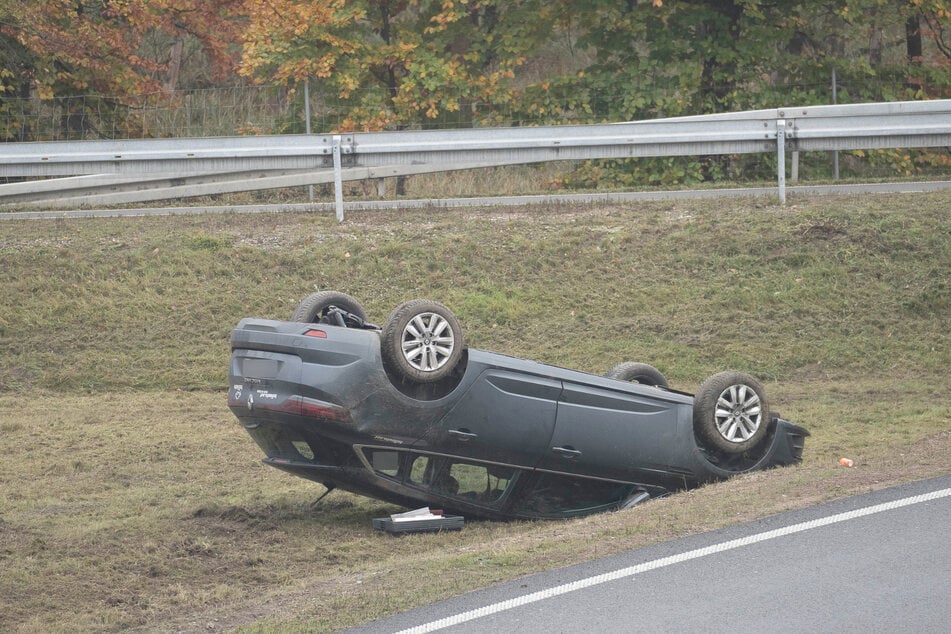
(730, 412)
(315, 306)
(638, 373)
(422, 340)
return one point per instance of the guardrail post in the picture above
(338, 178)
(781, 158)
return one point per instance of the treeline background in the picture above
(90, 69)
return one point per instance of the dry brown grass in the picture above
(132, 499)
(153, 510)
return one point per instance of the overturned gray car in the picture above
(407, 413)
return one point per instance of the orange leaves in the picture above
(452, 11)
(412, 60)
(292, 40)
(390, 60)
(100, 46)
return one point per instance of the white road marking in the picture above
(668, 561)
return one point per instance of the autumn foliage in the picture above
(397, 63)
(425, 57)
(64, 47)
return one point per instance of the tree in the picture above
(661, 59)
(931, 18)
(656, 59)
(396, 62)
(93, 48)
(15, 63)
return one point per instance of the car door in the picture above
(622, 434)
(505, 417)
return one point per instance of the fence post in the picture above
(310, 188)
(338, 178)
(835, 100)
(781, 158)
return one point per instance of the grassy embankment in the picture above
(131, 498)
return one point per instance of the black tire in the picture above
(730, 412)
(422, 341)
(641, 373)
(314, 307)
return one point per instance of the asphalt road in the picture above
(496, 201)
(874, 563)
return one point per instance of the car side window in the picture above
(474, 482)
(564, 496)
(422, 470)
(479, 482)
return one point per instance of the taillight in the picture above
(314, 332)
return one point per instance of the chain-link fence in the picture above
(198, 113)
(240, 110)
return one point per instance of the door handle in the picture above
(567, 452)
(463, 434)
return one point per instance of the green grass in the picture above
(131, 497)
(851, 284)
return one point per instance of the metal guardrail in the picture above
(78, 173)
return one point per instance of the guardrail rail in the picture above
(82, 173)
